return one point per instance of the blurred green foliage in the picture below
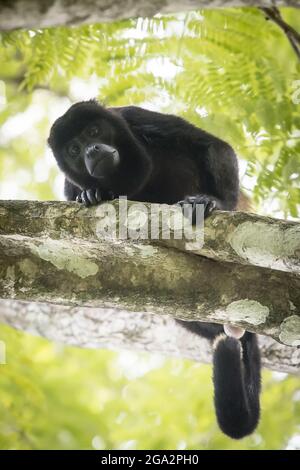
(66, 398)
(230, 72)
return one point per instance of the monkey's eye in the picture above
(74, 150)
(93, 131)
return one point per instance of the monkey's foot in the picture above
(92, 197)
(191, 202)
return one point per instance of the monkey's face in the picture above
(85, 144)
(93, 151)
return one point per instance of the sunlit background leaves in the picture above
(230, 72)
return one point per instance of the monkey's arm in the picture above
(221, 174)
(218, 178)
(71, 191)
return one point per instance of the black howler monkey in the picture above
(153, 157)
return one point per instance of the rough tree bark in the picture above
(115, 329)
(91, 288)
(44, 13)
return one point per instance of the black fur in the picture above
(237, 384)
(236, 377)
(162, 158)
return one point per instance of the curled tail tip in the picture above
(242, 429)
(238, 433)
(236, 399)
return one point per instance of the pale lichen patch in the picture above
(147, 251)
(63, 256)
(249, 311)
(28, 268)
(129, 250)
(290, 331)
(266, 245)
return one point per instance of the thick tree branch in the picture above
(236, 237)
(57, 253)
(117, 329)
(44, 13)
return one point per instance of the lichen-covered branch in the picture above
(44, 13)
(117, 329)
(57, 253)
(236, 237)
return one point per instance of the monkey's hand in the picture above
(191, 202)
(92, 197)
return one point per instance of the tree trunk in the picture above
(81, 261)
(45, 13)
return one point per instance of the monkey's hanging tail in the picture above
(236, 377)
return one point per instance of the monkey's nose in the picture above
(92, 149)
